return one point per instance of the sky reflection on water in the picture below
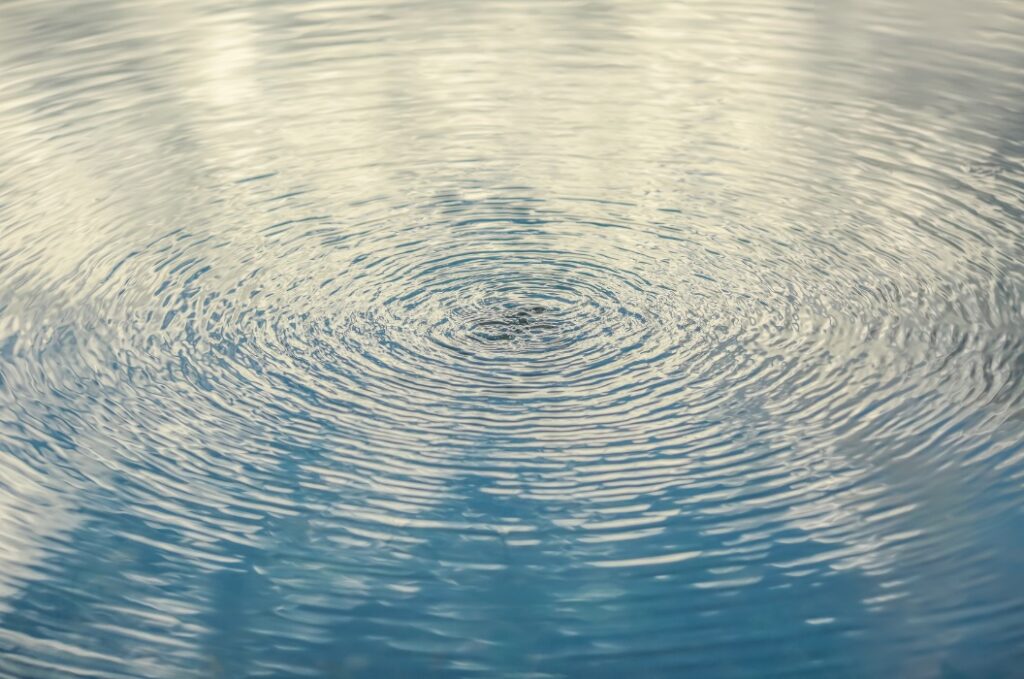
(522, 338)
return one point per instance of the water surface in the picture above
(527, 339)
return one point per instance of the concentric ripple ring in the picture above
(527, 339)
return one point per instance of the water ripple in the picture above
(520, 339)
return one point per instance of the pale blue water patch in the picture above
(531, 339)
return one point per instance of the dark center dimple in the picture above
(515, 323)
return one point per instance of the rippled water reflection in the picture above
(521, 338)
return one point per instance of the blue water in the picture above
(519, 339)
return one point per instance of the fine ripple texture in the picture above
(536, 339)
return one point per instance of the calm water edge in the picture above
(511, 339)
